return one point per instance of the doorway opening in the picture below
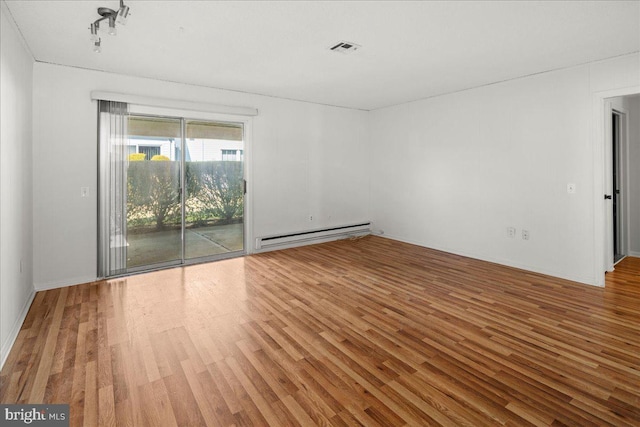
(178, 185)
(621, 179)
(618, 190)
(627, 101)
(185, 202)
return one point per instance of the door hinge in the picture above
(607, 196)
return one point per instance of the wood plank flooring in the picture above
(367, 332)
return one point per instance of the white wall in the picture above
(454, 171)
(16, 284)
(307, 159)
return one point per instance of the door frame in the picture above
(602, 180)
(623, 172)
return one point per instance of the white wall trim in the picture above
(64, 283)
(500, 261)
(600, 234)
(15, 330)
(173, 103)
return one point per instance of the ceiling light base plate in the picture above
(345, 47)
(105, 11)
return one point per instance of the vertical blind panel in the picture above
(112, 213)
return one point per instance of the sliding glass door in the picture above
(214, 196)
(154, 185)
(180, 185)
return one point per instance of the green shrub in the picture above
(153, 190)
(214, 190)
(218, 186)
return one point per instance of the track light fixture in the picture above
(121, 17)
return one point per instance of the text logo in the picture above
(34, 415)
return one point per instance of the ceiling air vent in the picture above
(345, 47)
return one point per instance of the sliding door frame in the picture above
(184, 116)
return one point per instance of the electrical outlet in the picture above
(525, 234)
(84, 191)
(571, 188)
(511, 232)
(310, 217)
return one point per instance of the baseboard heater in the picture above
(313, 236)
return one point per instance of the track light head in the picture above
(123, 15)
(112, 26)
(96, 46)
(94, 32)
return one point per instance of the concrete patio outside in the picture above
(162, 246)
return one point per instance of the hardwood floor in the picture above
(367, 332)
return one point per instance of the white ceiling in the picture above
(410, 50)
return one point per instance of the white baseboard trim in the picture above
(63, 283)
(15, 330)
(586, 281)
(634, 254)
